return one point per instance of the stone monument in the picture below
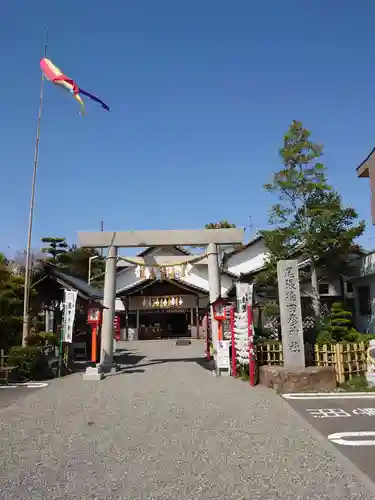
(294, 376)
(290, 314)
(370, 375)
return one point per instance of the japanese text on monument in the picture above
(290, 312)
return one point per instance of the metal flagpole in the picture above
(26, 299)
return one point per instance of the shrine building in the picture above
(163, 292)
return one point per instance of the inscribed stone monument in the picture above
(290, 314)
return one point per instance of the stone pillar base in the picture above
(108, 367)
(370, 377)
(93, 373)
(291, 380)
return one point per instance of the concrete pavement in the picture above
(10, 394)
(166, 428)
(353, 415)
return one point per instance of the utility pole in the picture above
(26, 299)
(101, 229)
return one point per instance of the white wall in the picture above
(248, 260)
(198, 277)
(366, 265)
(126, 278)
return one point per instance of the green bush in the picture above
(30, 360)
(338, 327)
(41, 339)
(357, 384)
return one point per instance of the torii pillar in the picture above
(113, 240)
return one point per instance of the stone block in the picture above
(93, 373)
(289, 380)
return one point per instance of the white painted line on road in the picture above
(36, 385)
(330, 395)
(28, 385)
(337, 438)
(339, 412)
(328, 412)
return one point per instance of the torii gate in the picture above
(114, 240)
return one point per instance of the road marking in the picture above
(328, 412)
(339, 412)
(29, 385)
(36, 385)
(337, 438)
(330, 395)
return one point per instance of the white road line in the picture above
(330, 395)
(28, 385)
(337, 438)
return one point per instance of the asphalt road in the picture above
(332, 417)
(9, 395)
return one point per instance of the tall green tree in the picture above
(11, 305)
(55, 249)
(308, 218)
(75, 261)
(221, 224)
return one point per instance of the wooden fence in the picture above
(349, 360)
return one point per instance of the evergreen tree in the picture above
(56, 248)
(340, 326)
(309, 219)
(221, 224)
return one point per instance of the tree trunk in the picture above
(315, 293)
(342, 289)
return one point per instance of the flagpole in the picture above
(26, 299)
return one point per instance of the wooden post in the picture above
(220, 329)
(339, 363)
(94, 332)
(251, 346)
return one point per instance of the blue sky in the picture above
(201, 93)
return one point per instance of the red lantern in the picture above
(93, 317)
(218, 308)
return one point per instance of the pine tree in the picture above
(309, 218)
(56, 248)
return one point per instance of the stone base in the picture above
(370, 377)
(290, 380)
(108, 367)
(93, 373)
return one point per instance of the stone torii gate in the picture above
(209, 238)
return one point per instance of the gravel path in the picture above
(165, 429)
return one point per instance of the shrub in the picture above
(41, 339)
(31, 362)
(339, 327)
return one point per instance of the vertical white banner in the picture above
(244, 293)
(70, 299)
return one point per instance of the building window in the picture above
(323, 289)
(364, 300)
(349, 287)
